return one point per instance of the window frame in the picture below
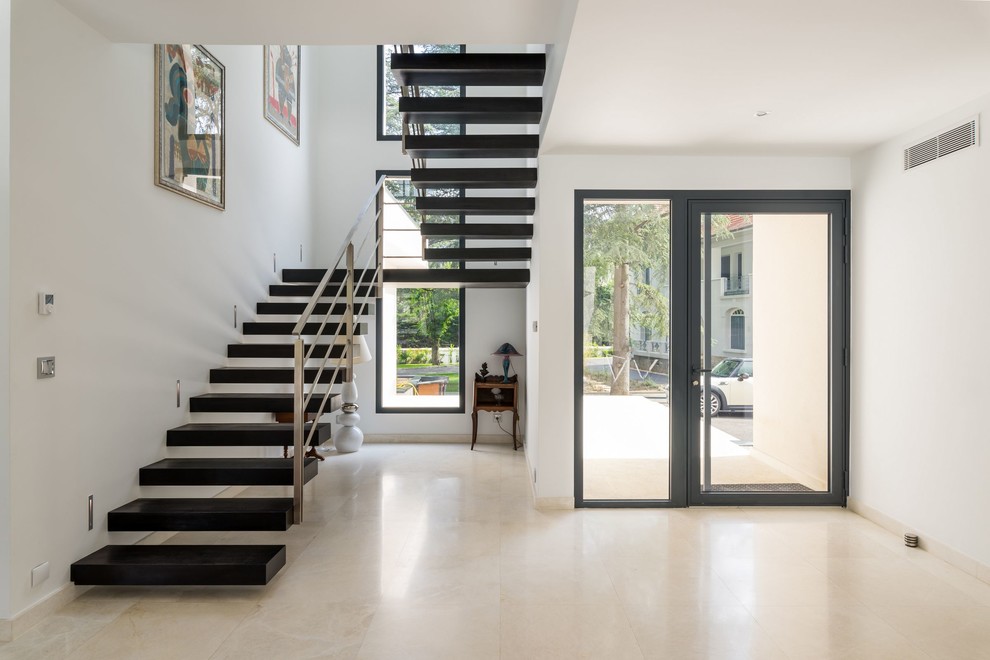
(381, 136)
(380, 408)
(741, 315)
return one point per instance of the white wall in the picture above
(349, 154)
(790, 336)
(551, 350)
(145, 280)
(5, 311)
(919, 282)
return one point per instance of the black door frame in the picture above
(685, 213)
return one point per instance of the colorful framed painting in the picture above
(282, 89)
(189, 120)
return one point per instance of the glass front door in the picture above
(764, 370)
(710, 348)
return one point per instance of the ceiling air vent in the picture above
(952, 140)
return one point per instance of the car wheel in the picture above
(714, 405)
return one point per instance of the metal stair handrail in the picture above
(361, 234)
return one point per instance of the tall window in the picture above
(737, 330)
(420, 330)
(389, 92)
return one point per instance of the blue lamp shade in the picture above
(506, 351)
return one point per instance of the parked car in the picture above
(732, 387)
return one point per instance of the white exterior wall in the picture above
(920, 454)
(722, 305)
(551, 350)
(790, 346)
(5, 467)
(145, 280)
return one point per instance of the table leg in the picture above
(474, 428)
(515, 424)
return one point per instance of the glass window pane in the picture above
(626, 321)
(769, 304)
(392, 120)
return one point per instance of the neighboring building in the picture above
(731, 298)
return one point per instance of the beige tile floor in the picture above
(434, 551)
(627, 445)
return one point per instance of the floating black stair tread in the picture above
(472, 146)
(478, 254)
(274, 374)
(322, 308)
(479, 230)
(472, 109)
(524, 69)
(473, 177)
(276, 328)
(315, 275)
(224, 472)
(171, 565)
(202, 514)
(280, 350)
(330, 291)
(240, 435)
(255, 402)
(468, 278)
(476, 205)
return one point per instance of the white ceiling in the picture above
(662, 76)
(654, 76)
(352, 22)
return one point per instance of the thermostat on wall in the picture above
(46, 303)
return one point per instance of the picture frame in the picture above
(281, 98)
(189, 123)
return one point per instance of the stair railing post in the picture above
(349, 319)
(298, 426)
(380, 231)
(350, 437)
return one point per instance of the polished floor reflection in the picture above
(434, 551)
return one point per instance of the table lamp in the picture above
(506, 351)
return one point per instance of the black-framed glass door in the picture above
(749, 407)
(630, 313)
(768, 309)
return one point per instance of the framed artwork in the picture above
(282, 89)
(189, 120)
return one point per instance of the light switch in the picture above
(46, 367)
(46, 303)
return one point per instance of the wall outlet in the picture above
(46, 367)
(39, 574)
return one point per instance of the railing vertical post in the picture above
(298, 426)
(349, 437)
(349, 319)
(380, 283)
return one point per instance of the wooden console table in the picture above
(507, 400)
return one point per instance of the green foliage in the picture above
(637, 235)
(393, 120)
(428, 317)
(412, 356)
(594, 351)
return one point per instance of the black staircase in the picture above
(415, 70)
(222, 564)
(258, 564)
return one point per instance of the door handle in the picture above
(697, 373)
